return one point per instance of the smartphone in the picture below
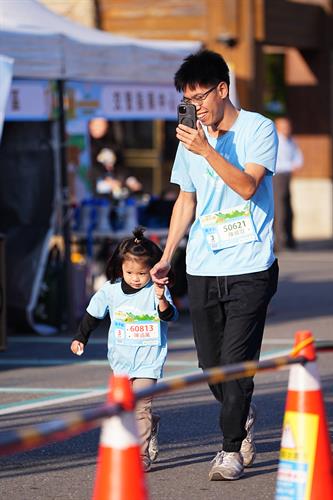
(187, 115)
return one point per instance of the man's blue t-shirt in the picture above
(251, 139)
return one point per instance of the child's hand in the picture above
(77, 347)
(159, 273)
(159, 291)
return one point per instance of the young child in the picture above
(139, 311)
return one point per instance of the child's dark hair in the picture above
(202, 68)
(136, 247)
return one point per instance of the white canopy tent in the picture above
(47, 46)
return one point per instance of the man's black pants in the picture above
(228, 315)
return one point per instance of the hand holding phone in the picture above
(187, 115)
(193, 138)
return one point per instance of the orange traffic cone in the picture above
(305, 467)
(119, 473)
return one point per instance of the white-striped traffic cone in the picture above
(119, 473)
(305, 467)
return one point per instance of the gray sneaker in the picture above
(153, 448)
(226, 466)
(248, 448)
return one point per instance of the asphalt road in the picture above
(41, 380)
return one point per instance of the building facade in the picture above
(282, 55)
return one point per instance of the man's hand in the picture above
(159, 273)
(193, 139)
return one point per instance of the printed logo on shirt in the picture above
(214, 179)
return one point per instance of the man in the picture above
(224, 169)
(289, 158)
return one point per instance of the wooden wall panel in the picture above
(291, 24)
(203, 20)
(80, 11)
(308, 91)
(169, 19)
(317, 151)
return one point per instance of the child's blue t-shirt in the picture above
(135, 361)
(251, 139)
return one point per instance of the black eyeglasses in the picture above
(198, 99)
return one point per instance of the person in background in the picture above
(224, 168)
(134, 186)
(109, 182)
(110, 178)
(289, 159)
(106, 158)
(137, 342)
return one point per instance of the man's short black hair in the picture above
(203, 68)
